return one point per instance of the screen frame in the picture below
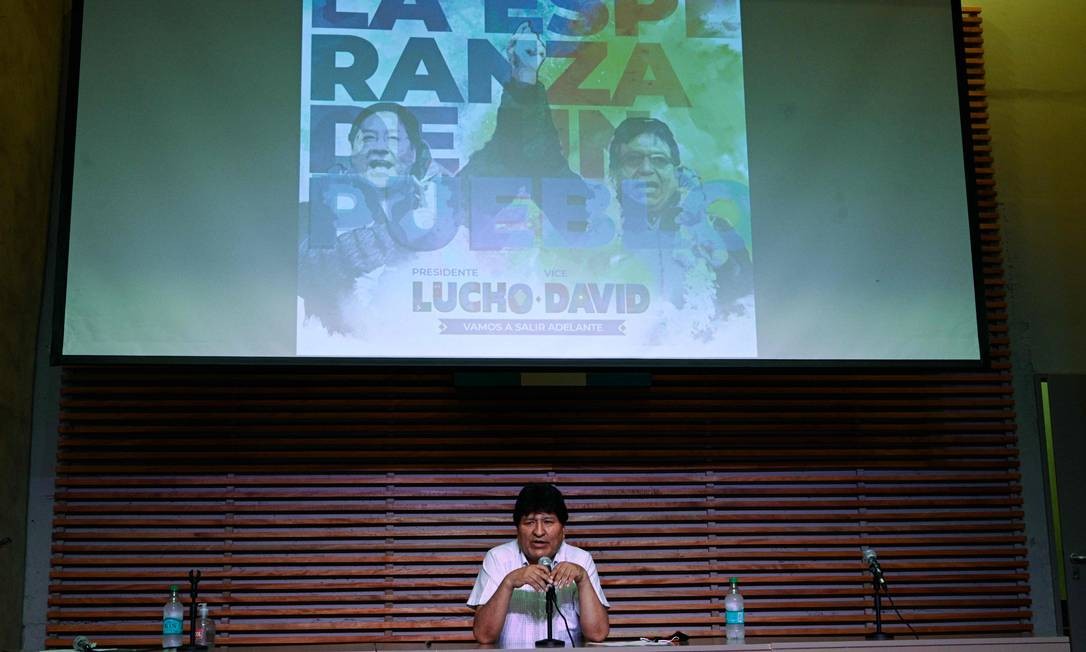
(62, 212)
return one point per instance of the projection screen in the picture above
(593, 181)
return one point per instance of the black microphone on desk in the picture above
(872, 561)
(551, 600)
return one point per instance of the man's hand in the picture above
(533, 575)
(526, 52)
(566, 573)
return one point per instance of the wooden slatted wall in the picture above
(345, 505)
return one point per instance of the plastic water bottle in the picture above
(205, 628)
(173, 615)
(733, 612)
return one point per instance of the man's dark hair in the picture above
(410, 125)
(540, 497)
(631, 128)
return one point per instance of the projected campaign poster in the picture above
(524, 179)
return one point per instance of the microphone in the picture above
(548, 563)
(872, 561)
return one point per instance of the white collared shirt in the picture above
(526, 621)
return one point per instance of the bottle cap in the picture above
(735, 580)
(203, 609)
(173, 588)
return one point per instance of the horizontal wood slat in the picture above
(338, 505)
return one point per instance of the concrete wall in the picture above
(30, 51)
(1036, 67)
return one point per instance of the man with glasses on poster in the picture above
(667, 224)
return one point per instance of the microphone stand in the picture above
(550, 641)
(878, 634)
(194, 580)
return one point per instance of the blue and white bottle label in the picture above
(733, 617)
(171, 625)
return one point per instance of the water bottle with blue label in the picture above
(172, 618)
(733, 612)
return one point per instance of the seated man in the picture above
(509, 593)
